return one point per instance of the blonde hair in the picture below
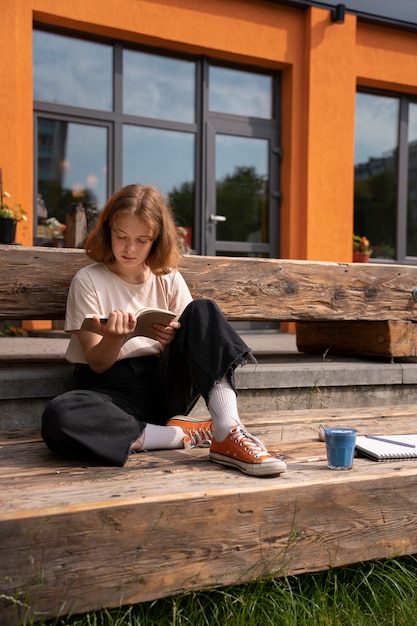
(147, 203)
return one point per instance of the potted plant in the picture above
(361, 249)
(9, 216)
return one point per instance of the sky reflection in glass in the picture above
(158, 87)
(376, 132)
(72, 71)
(162, 158)
(240, 93)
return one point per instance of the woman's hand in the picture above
(119, 324)
(165, 334)
(102, 350)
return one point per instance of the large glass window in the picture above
(72, 71)
(385, 197)
(108, 114)
(376, 150)
(158, 87)
(240, 93)
(71, 167)
(71, 162)
(165, 159)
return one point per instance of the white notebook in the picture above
(387, 447)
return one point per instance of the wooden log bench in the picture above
(345, 308)
(76, 538)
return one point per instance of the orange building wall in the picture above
(16, 132)
(321, 65)
(328, 133)
(386, 58)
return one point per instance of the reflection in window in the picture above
(240, 93)
(164, 159)
(71, 166)
(376, 150)
(72, 71)
(412, 182)
(154, 133)
(158, 87)
(242, 188)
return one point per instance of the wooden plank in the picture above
(34, 284)
(390, 338)
(172, 521)
(34, 281)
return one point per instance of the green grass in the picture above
(379, 593)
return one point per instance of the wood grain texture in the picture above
(34, 285)
(172, 521)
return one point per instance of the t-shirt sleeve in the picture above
(180, 295)
(82, 300)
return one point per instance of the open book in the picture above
(145, 318)
(387, 447)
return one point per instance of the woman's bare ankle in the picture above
(137, 445)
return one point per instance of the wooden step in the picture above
(79, 537)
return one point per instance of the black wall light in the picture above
(338, 13)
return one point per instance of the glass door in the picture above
(241, 195)
(238, 204)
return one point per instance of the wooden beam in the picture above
(388, 339)
(34, 285)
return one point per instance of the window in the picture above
(206, 134)
(240, 92)
(71, 163)
(385, 196)
(72, 71)
(158, 87)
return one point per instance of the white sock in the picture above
(223, 410)
(163, 437)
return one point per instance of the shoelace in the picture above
(254, 446)
(200, 437)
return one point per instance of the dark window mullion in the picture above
(198, 157)
(116, 157)
(402, 173)
(207, 156)
(275, 157)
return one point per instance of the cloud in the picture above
(376, 126)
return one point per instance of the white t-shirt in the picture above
(96, 290)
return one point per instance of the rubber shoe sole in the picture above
(269, 466)
(247, 453)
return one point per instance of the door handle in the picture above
(217, 218)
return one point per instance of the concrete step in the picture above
(34, 370)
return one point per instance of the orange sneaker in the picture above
(242, 450)
(198, 433)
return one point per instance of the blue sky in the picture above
(400, 10)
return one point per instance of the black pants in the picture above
(107, 412)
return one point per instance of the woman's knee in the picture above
(68, 408)
(201, 308)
